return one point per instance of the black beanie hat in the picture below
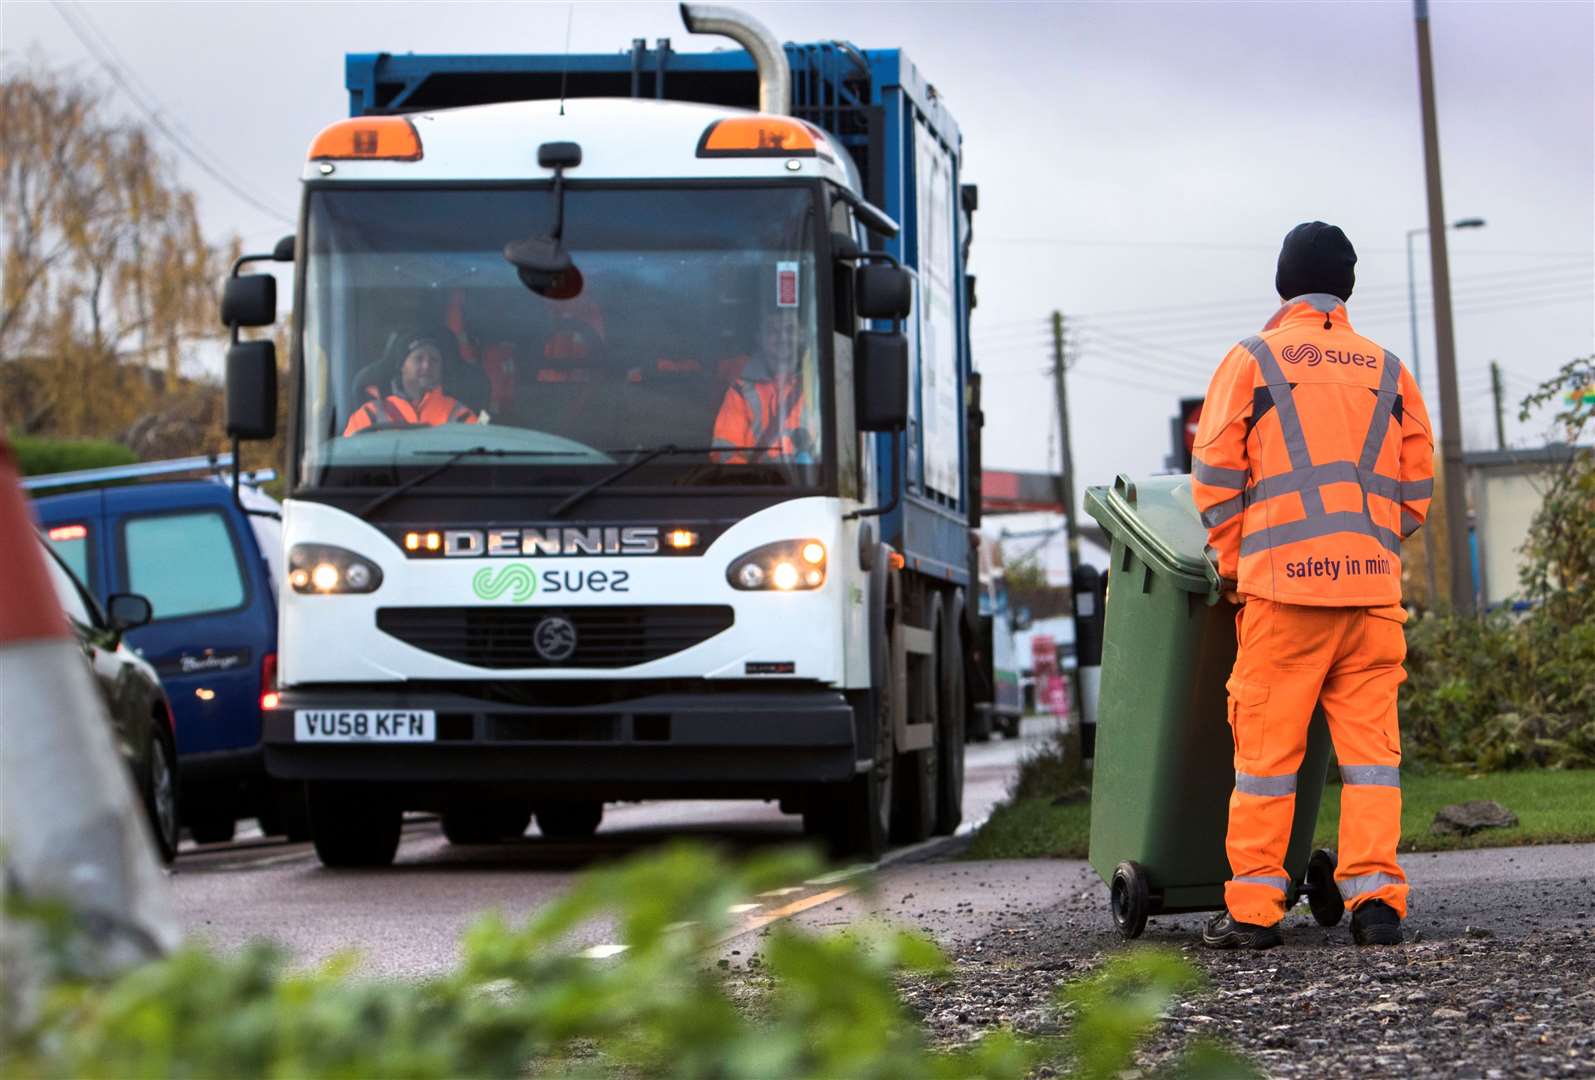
(1316, 258)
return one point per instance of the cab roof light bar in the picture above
(368, 138)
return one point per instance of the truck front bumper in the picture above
(743, 744)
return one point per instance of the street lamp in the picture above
(1417, 371)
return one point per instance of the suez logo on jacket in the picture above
(1312, 355)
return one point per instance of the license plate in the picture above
(365, 725)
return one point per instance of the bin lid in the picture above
(1156, 517)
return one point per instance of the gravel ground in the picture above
(1497, 978)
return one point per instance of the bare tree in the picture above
(108, 280)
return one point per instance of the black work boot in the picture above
(1376, 923)
(1224, 931)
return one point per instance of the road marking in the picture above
(796, 907)
(777, 893)
(740, 909)
(603, 952)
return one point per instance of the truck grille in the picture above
(606, 637)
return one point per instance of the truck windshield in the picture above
(693, 322)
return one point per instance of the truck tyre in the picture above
(353, 825)
(284, 812)
(484, 823)
(914, 815)
(854, 818)
(569, 820)
(950, 721)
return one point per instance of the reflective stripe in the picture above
(1351, 888)
(1280, 883)
(1214, 476)
(1372, 775)
(1384, 404)
(1322, 302)
(1409, 523)
(1214, 516)
(1417, 489)
(1289, 418)
(1266, 786)
(1324, 525)
(1333, 472)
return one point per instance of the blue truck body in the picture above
(908, 151)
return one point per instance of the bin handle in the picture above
(1125, 487)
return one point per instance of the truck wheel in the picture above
(1323, 895)
(569, 820)
(950, 723)
(981, 725)
(484, 824)
(284, 812)
(160, 798)
(353, 825)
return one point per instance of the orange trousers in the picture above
(1290, 659)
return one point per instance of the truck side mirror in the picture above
(284, 251)
(252, 390)
(250, 300)
(884, 292)
(880, 366)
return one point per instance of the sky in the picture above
(1138, 163)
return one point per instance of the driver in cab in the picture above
(764, 419)
(414, 396)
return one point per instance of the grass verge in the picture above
(1553, 807)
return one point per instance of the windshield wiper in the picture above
(442, 466)
(644, 457)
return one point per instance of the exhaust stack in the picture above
(769, 58)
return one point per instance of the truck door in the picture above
(206, 638)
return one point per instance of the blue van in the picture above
(209, 566)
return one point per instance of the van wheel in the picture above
(569, 820)
(353, 825)
(951, 720)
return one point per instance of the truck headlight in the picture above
(785, 566)
(322, 568)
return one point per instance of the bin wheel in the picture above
(1130, 899)
(1323, 895)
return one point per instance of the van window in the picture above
(184, 563)
(71, 542)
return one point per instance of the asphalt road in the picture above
(406, 920)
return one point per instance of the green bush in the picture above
(1509, 691)
(38, 457)
(1499, 693)
(525, 1001)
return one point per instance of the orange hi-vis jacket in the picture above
(435, 408)
(751, 415)
(1313, 460)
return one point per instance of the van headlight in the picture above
(322, 568)
(784, 566)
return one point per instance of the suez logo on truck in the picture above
(519, 582)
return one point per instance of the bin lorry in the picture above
(629, 443)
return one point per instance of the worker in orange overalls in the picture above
(772, 412)
(1313, 461)
(415, 395)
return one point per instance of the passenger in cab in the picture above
(414, 395)
(768, 410)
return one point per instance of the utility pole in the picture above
(1444, 344)
(1066, 455)
(1500, 419)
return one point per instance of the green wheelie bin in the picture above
(1164, 755)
